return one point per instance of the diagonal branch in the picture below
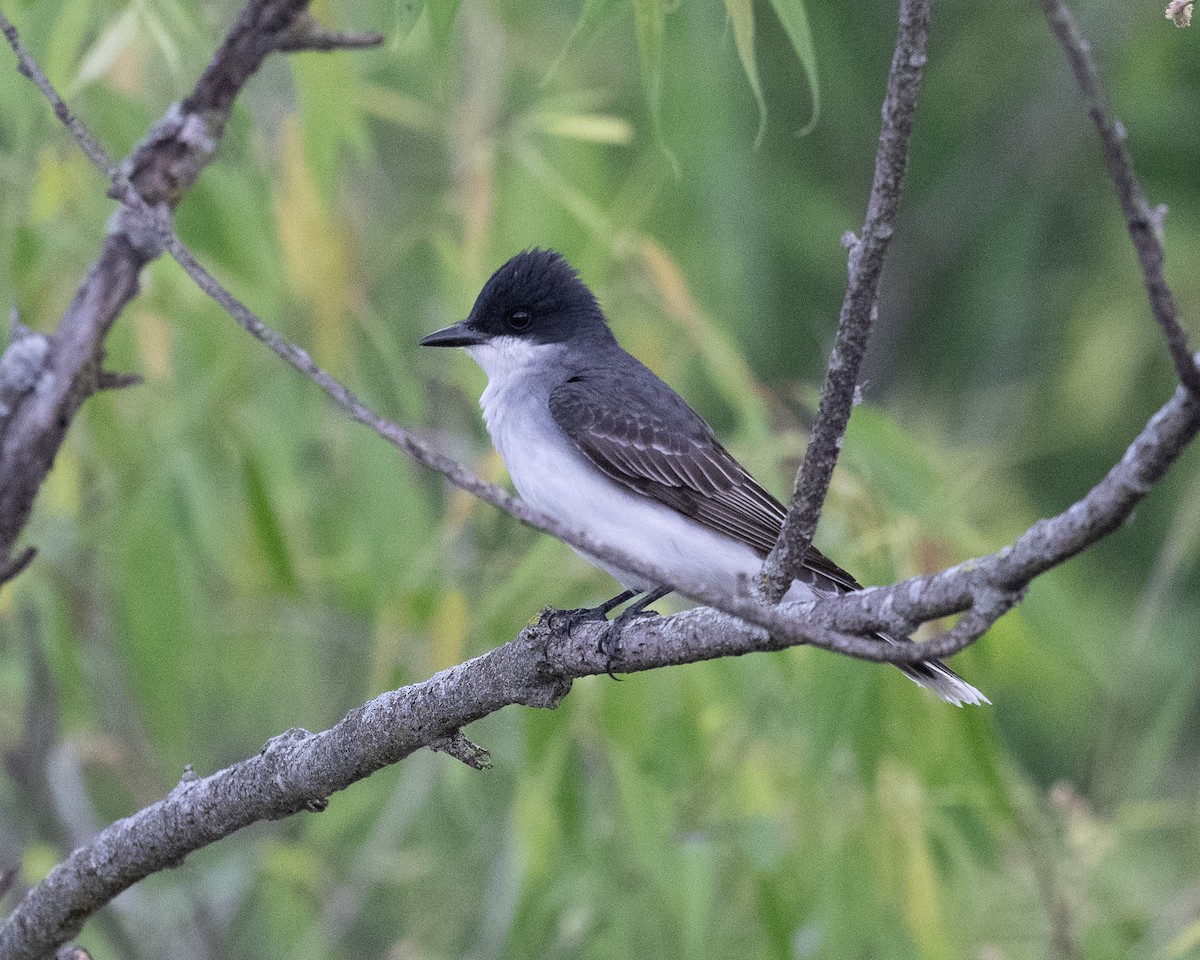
(158, 173)
(28, 67)
(1144, 223)
(859, 306)
(298, 771)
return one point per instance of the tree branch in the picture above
(28, 67)
(158, 173)
(859, 306)
(1047, 544)
(298, 771)
(1144, 223)
(307, 34)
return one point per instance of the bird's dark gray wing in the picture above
(639, 432)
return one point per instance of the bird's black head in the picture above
(536, 296)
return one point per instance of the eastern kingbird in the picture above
(593, 438)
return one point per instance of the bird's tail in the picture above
(935, 676)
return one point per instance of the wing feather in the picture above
(656, 445)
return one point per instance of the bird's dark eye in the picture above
(520, 319)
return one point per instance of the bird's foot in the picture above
(610, 640)
(565, 621)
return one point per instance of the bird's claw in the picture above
(609, 646)
(565, 621)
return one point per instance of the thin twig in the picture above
(307, 34)
(457, 745)
(28, 67)
(1145, 224)
(156, 175)
(866, 258)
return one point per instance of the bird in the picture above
(595, 439)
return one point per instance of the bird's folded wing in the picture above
(642, 434)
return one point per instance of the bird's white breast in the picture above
(551, 474)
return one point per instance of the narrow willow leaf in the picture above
(589, 127)
(449, 629)
(595, 14)
(408, 12)
(268, 528)
(795, 22)
(399, 108)
(165, 42)
(315, 249)
(741, 16)
(442, 14)
(648, 20)
(71, 30)
(111, 43)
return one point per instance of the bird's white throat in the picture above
(506, 359)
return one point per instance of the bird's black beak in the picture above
(464, 334)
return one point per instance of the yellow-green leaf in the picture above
(165, 42)
(442, 14)
(70, 29)
(111, 43)
(316, 252)
(266, 524)
(408, 12)
(589, 127)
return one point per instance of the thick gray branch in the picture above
(298, 771)
(157, 174)
(867, 254)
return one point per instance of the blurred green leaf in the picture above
(265, 521)
(408, 12)
(164, 41)
(70, 30)
(590, 128)
(795, 23)
(649, 20)
(113, 40)
(399, 108)
(595, 14)
(442, 14)
(741, 15)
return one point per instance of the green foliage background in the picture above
(224, 556)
